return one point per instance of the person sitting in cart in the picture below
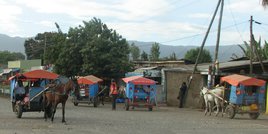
(113, 93)
(19, 90)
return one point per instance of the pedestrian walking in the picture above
(181, 96)
(113, 93)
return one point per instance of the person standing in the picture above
(182, 93)
(113, 93)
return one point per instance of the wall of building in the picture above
(173, 82)
(24, 65)
(14, 64)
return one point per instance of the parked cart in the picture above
(140, 92)
(88, 91)
(27, 90)
(246, 95)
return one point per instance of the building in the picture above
(173, 78)
(24, 65)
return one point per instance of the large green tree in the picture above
(94, 49)
(191, 55)
(6, 56)
(134, 51)
(155, 52)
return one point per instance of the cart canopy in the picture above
(91, 79)
(236, 79)
(37, 74)
(139, 80)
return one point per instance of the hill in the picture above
(12, 44)
(16, 44)
(224, 54)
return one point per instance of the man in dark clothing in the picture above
(181, 95)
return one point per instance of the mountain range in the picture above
(16, 44)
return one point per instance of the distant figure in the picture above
(181, 96)
(113, 93)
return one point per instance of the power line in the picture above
(235, 21)
(191, 36)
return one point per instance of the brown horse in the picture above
(58, 93)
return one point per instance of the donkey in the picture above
(211, 97)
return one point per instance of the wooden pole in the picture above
(201, 49)
(251, 47)
(215, 63)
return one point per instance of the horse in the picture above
(58, 93)
(213, 96)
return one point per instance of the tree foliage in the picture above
(192, 54)
(134, 51)
(43, 46)
(144, 56)
(91, 48)
(6, 56)
(258, 49)
(155, 52)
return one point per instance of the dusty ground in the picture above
(86, 119)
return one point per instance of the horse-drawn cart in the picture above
(140, 92)
(246, 94)
(28, 98)
(88, 91)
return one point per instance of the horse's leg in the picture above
(222, 108)
(209, 107)
(63, 112)
(206, 104)
(54, 107)
(218, 105)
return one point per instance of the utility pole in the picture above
(251, 46)
(45, 49)
(201, 48)
(216, 62)
(254, 49)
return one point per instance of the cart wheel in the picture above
(75, 101)
(254, 116)
(18, 110)
(95, 102)
(230, 111)
(13, 106)
(150, 108)
(126, 104)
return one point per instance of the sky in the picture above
(169, 22)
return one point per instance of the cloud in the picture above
(8, 20)
(156, 31)
(119, 9)
(48, 24)
(200, 15)
(245, 6)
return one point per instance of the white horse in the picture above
(211, 96)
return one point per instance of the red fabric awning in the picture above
(236, 79)
(139, 80)
(40, 74)
(91, 79)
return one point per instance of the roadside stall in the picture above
(140, 92)
(88, 91)
(245, 95)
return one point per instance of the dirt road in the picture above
(86, 119)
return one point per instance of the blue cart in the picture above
(88, 91)
(27, 90)
(140, 92)
(246, 94)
